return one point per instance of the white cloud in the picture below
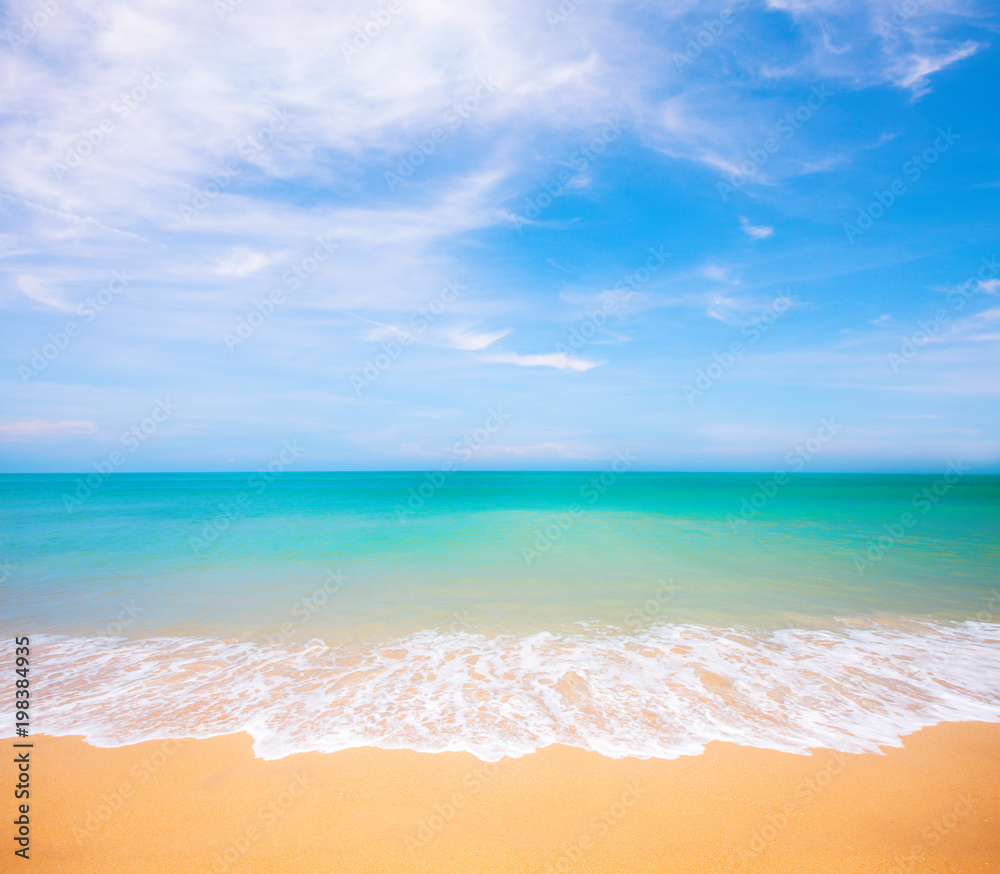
(383, 333)
(755, 232)
(718, 274)
(558, 360)
(538, 450)
(41, 292)
(214, 83)
(463, 338)
(27, 431)
(845, 46)
(241, 262)
(726, 308)
(974, 329)
(914, 70)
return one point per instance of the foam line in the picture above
(664, 691)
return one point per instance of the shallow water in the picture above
(638, 614)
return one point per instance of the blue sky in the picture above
(693, 232)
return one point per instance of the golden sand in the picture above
(210, 806)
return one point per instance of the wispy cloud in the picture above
(41, 292)
(755, 232)
(241, 262)
(914, 71)
(718, 274)
(471, 341)
(540, 451)
(558, 360)
(20, 432)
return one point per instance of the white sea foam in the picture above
(664, 691)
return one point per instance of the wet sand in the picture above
(210, 806)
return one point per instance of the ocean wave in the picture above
(664, 691)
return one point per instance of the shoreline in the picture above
(661, 691)
(209, 806)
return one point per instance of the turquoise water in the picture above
(408, 609)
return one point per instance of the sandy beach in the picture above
(210, 806)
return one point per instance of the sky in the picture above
(419, 235)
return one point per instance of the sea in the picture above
(633, 614)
